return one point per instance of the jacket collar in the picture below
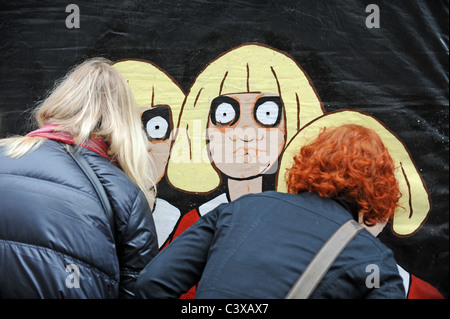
(352, 209)
(53, 132)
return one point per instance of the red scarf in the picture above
(49, 131)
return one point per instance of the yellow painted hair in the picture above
(247, 68)
(151, 85)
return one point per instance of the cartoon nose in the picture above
(245, 133)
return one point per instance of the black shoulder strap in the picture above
(90, 174)
(319, 266)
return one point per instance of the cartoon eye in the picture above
(157, 127)
(225, 113)
(268, 113)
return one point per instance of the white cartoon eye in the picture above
(157, 127)
(267, 113)
(225, 113)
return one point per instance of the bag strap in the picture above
(319, 266)
(90, 174)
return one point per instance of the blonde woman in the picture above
(55, 238)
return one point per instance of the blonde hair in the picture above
(251, 67)
(94, 100)
(151, 85)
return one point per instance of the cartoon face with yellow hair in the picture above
(159, 99)
(238, 116)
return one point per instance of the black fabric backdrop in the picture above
(398, 73)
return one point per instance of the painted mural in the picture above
(228, 91)
(238, 128)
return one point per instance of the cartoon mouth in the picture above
(251, 151)
(247, 155)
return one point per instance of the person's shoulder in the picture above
(271, 194)
(122, 191)
(268, 199)
(107, 170)
(50, 161)
(303, 199)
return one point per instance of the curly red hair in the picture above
(351, 163)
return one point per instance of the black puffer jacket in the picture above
(55, 240)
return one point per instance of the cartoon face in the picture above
(157, 122)
(246, 133)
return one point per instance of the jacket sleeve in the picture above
(137, 247)
(180, 265)
(383, 280)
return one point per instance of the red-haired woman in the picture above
(258, 245)
(350, 164)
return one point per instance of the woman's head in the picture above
(94, 100)
(349, 162)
